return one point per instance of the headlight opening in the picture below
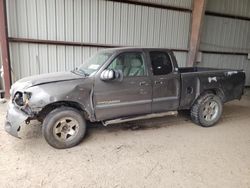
(22, 98)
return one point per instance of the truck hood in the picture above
(30, 81)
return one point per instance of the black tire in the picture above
(55, 120)
(199, 108)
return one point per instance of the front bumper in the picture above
(15, 118)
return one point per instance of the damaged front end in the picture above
(19, 113)
(31, 95)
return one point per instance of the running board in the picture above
(148, 116)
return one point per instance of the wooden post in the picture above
(5, 48)
(197, 19)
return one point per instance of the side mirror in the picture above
(110, 74)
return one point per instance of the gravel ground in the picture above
(163, 152)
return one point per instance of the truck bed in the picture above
(201, 69)
(227, 83)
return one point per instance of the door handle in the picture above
(143, 83)
(158, 82)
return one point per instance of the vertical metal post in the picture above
(197, 19)
(5, 48)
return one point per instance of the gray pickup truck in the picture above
(118, 85)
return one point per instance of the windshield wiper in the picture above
(76, 71)
(79, 72)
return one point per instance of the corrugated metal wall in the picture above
(232, 7)
(223, 34)
(31, 59)
(92, 21)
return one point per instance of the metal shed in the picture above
(56, 35)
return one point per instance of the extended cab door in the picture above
(166, 82)
(129, 97)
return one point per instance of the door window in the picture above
(130, 64)
(161, 63)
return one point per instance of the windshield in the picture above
(91, 65)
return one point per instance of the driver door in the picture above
(128, 97)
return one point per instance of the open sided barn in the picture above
(47, 36)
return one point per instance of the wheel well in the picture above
(48, 108)
(215, 91)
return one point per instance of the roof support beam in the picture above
(70, 43)
(197, 19)
(5, 48)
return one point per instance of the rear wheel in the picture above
(64, 127)
(207, 110)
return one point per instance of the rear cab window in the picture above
(161, 62)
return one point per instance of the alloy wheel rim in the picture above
(66, 129)
(210, 110)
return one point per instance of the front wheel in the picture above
(64, 127)
(207, 110)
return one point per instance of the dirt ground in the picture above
(163, 152)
